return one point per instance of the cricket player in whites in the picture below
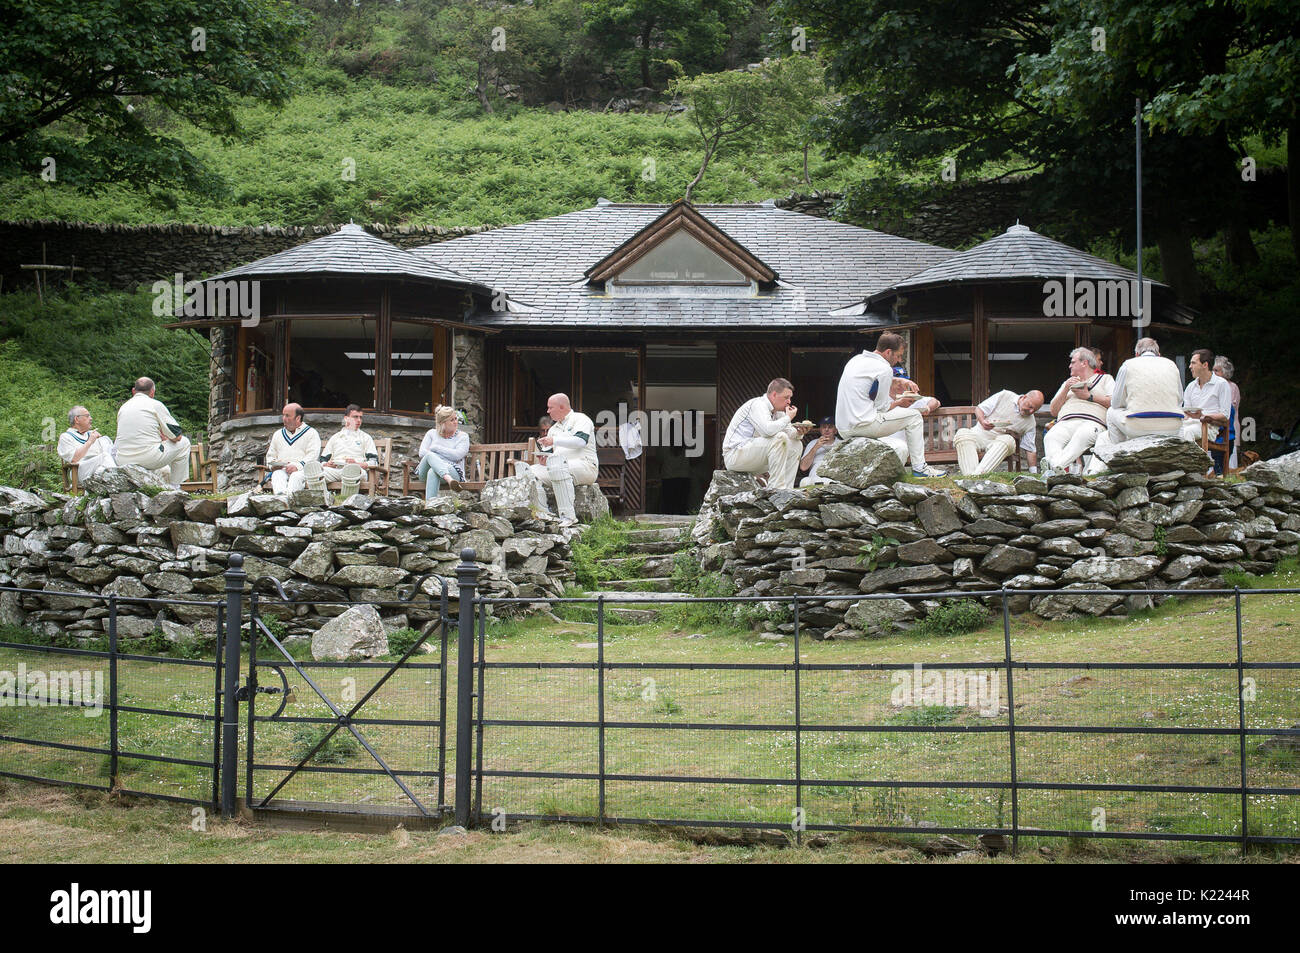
(570, 455)
(148, 435)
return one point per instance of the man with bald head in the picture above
(1003, 421)
(148, 435)
(570, 454)
(294, 450)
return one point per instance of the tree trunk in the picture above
(481, 89)
(806, 178)
(1293, 181)
(1238, 246)
(646, 34)
(1177, 260)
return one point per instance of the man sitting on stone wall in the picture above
(148, 435)
(864, 406)
(293, 455)
(1080, 410)
(568, 453)
(902, 385)
(83, 446)
(1003, 421)
(761, 437)
(1147, 401)
(349, 453)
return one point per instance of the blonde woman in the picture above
(442, 453)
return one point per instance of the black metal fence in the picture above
(115, 717)
(622, 733)
(973, 735)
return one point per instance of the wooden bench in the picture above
(203, 474)
(484, 462)
(611, 474)
(941, 428)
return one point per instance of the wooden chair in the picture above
(1221, 449)
(941, 428)
(484, 462)
(611, 474)
(203, 474)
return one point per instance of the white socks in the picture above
(562, 481)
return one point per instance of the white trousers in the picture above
(1191, 430)
(283, 482)
(905, 419)
(1068, 440)
(1120, 426)
(970, 442)
(776, 456)
(104, 460)
(173, 457)
(582, 473)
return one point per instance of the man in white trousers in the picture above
(1003, 421)
(761, 437)
(84, 447)
(1147, 400)
(148, 435)
(293, 454)
(865, 406)
(569, 449)
(1079, 407)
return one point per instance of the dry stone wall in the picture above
(1155, 523)
(128, 537)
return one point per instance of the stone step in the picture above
(669, 533)
(664, 519)
(653, 583)
(633, 616)
(650, 565)
(653, 548)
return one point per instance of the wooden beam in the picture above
(923, 358)
(979, 348)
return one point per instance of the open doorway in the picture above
(681, 397)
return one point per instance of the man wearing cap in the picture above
(816, 450)
(148, 435)
(1003, 421)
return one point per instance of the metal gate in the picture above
(354, 737)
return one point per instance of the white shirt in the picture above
(1002, 410)
(855, 402)
(453, 449)
(141, 421)
(755, 418)
(297, 447)
(350, 446)
(821, 452)
(575, 439)
(1212, 397)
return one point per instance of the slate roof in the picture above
(350, 251)
(822, 266)
(1018, 253)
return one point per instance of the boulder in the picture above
(167, 503)
(725, 483)
(194, 534)
(902, 576)
(316, 562)
(879, 617)
(370, 577)
(1282, 472)
(127, 479)
(515, 498)
(1006, 560)
(589, 503)
(356, 634)
(1154, 454)
(1065, 605)
(861, 462)
(938, 515)
(1112, 570)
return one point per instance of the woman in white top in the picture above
(442, 453)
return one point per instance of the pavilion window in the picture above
(332, 361)
(419, 377)
(538, 373)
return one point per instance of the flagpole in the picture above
(1141, 313)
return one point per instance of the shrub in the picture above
(337, 750)
(604, 539)
(400, 642)
(954, 618)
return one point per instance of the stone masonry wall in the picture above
(124, 537)
(1172, 528)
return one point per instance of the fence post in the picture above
(467, 578)
(113, 649)
(1011, 724)
(1241, 724)
(230, 706)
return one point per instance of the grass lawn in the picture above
(759, 702)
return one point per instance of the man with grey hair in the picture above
(84, 447)
(1148, 399)
(1080, 408)
(148, 435)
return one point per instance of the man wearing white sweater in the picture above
(293, 451)
(762, 439)
(1147, 400)
(570, 454)
(148, 435)
(349, 453)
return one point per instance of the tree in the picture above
(692, 32)
(721, 106)
(1046, 89)
(90, 83)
